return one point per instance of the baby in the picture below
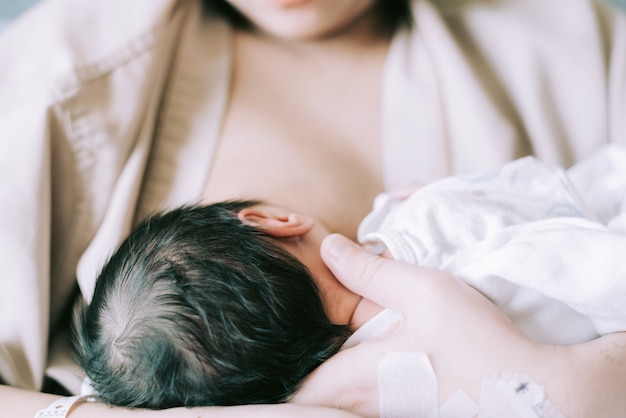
(196, 307)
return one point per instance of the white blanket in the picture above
(545, 244)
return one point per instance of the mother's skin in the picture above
(317, 147)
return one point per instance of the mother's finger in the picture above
(383, 281)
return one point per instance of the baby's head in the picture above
(202, 306)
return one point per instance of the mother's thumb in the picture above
(352, 265)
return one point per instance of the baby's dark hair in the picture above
(197, 308)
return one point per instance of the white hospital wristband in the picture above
(61, 407)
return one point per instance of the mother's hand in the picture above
(466, 338)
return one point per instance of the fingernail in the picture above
(335, 245)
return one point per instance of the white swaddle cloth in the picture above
(544, 244)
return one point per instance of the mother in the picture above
(111, 110)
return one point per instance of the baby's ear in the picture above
(275, 221)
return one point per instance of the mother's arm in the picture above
(598, 376)
(466, 338)
(20, 403)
